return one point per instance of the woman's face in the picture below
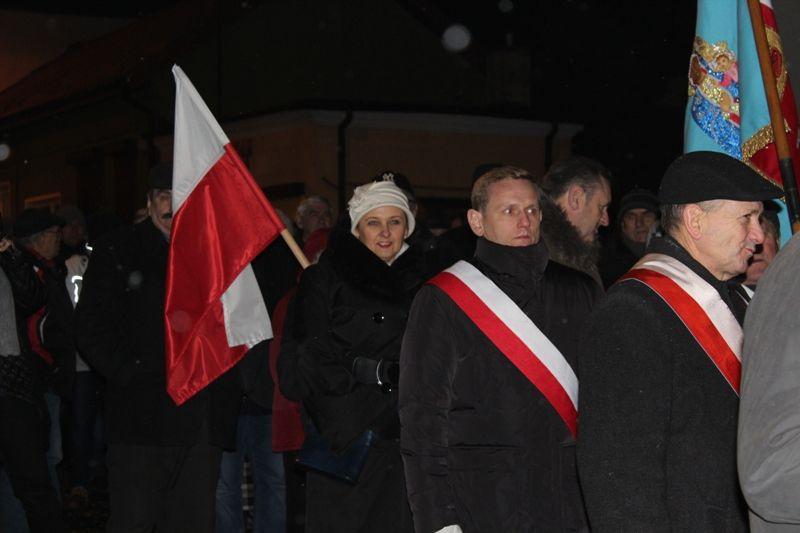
(383, 231)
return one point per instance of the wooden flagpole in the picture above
(295, 248)
(775, 115)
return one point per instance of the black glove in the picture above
(376, 372)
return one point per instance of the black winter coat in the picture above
(616, 259)
(56, 323)
(120, 323)
(350, 304)
(658, 421)
(482, 446)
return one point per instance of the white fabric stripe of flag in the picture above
(516, 320)
(703, 293)
(246, 317)
(199, 144)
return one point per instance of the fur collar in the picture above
(356, 264)
(565, 243)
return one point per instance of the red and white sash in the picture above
(515, 335)
(700, 308)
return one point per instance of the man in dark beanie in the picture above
(660, 365)
(50, 330)
(638, 212)
(163, 460)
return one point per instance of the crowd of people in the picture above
(520, 371)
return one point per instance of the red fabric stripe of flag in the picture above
(766, 159)
(221, 222)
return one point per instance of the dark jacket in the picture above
(120, 323)
(276, 271)
(657, 450)
(482, 446)
(617, 257)
(21, 376)
(51, 330)
(350, 304)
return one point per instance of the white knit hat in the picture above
(378, 194)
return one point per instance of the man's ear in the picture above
(576, 197)
(475, 219)
(149, 203)
(693, 218)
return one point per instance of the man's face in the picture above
(729, 236)
(48, 243)
(73, 234)
(636, 224)
(587, 209)
(512, 216)
(316, 216)
(764, 255)
(159, 206)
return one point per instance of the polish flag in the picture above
(214, 311)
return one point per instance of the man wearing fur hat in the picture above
(488, 385)
(660, 361)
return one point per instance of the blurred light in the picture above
(456, 38)
(5, 151)
(505, 6)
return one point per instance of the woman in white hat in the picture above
(340, 358)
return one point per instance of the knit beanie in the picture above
(378, 194)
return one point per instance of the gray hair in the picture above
(672, 214)
(304, 206)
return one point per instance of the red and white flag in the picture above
(214, 311)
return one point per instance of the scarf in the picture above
(9, 342)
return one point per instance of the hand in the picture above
(5, 244)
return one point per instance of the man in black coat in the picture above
(484, 446)
(660, 361)
(163, 460)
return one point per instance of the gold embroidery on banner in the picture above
(759, 140)
(722, 60)
(719, 96)
(710, 52)
(776, 49)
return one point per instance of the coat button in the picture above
(378, 317)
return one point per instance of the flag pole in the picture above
(295, 248)
(775, 115)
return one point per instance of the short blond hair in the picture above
(480, 189)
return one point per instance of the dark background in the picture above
(616, 67)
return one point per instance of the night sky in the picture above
(616, 66)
